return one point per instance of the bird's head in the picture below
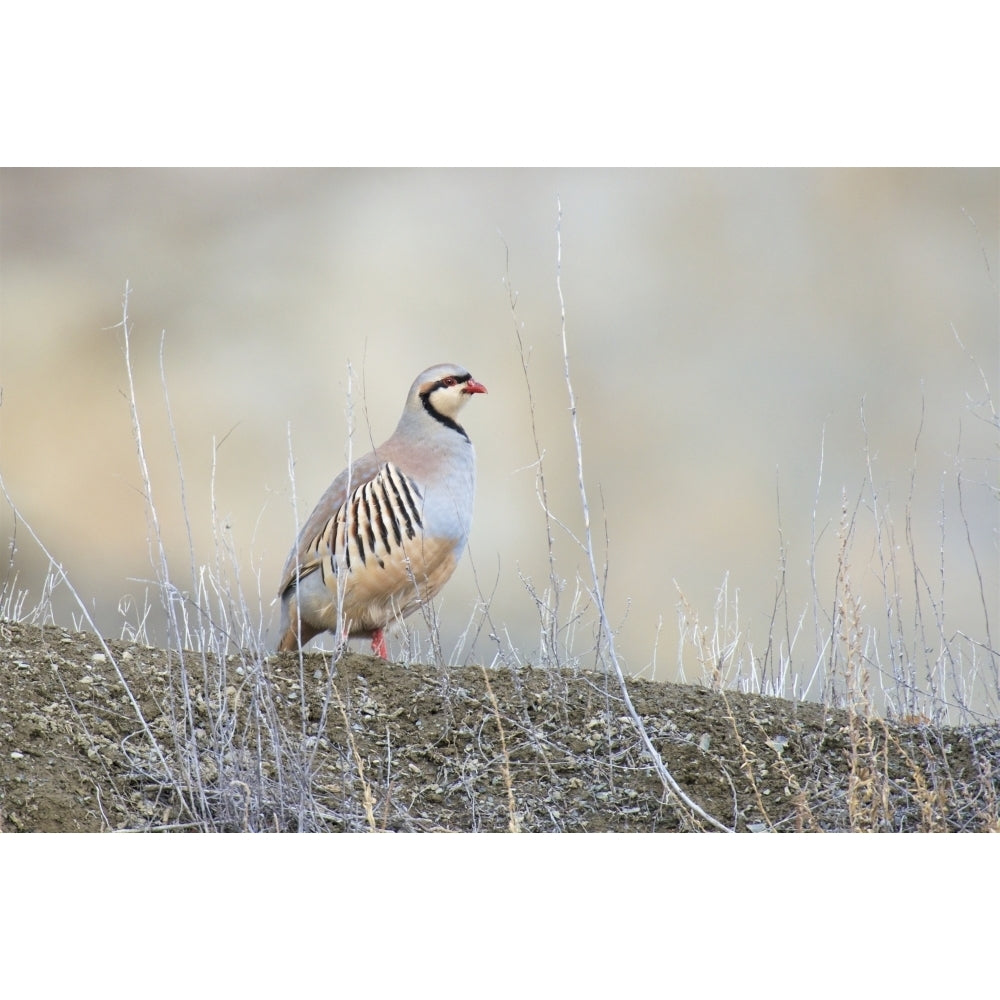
(444, 389)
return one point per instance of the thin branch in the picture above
(665, 776)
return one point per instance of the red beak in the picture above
(472, 386)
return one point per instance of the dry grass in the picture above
(230, 739)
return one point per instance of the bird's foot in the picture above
(379, 647)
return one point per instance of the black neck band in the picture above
(425, 398)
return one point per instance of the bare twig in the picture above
(668, 780)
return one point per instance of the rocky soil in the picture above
(99, 737)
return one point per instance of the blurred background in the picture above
(726, 330)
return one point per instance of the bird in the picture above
(390, 529)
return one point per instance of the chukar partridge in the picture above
(389, 531)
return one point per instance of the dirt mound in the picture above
(115, 736)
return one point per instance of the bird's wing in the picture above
(316, 541)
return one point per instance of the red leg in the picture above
(379, 648)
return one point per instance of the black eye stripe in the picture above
(443, 383)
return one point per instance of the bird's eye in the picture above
(449, 381)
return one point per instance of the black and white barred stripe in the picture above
(374, 522)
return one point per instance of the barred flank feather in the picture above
(373, 523)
